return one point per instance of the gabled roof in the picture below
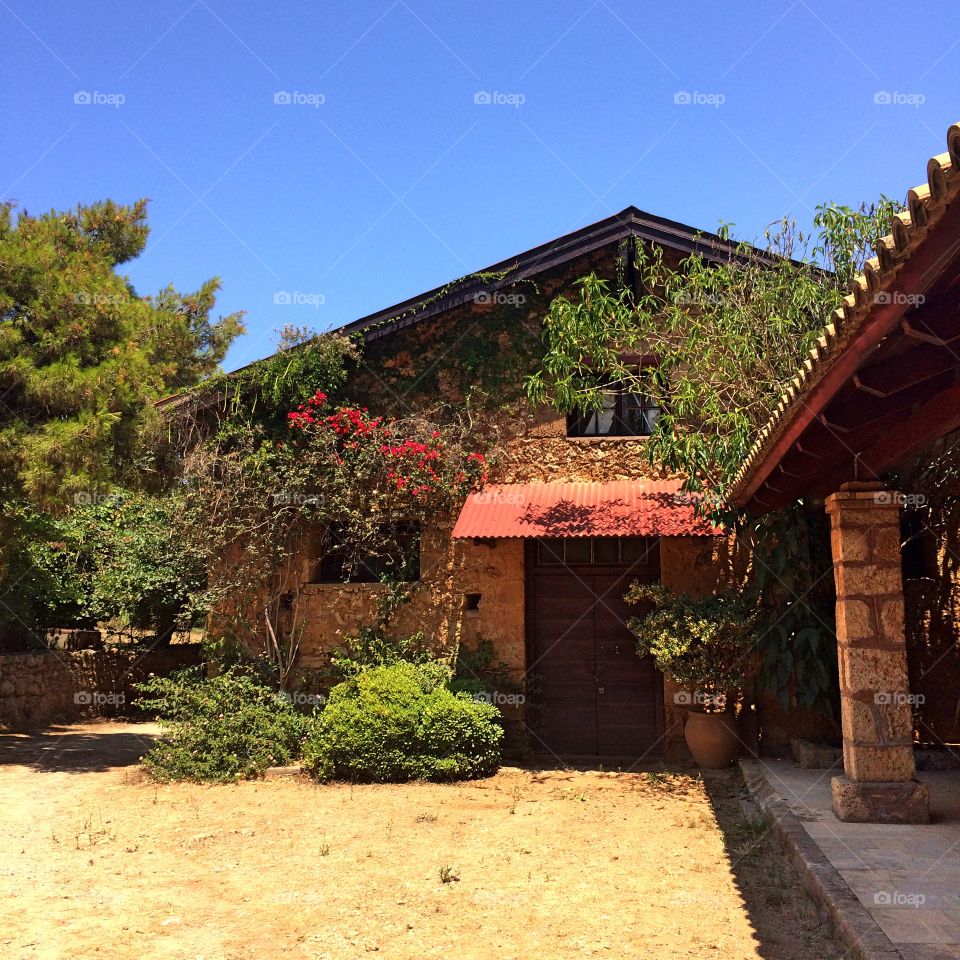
(629, 222)
(905, 300)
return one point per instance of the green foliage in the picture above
(222, 728)
(305, 362)
(728, 332)
(122, 558)
(374, 645)
(402, 722)
(704, 643)
(82, 355)
(479, 672)
(793, 574)
(144, 572)
(847, 236)
(46, 581)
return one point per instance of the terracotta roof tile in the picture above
(925, 206)
(631, 508)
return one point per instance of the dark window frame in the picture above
(631, 415)
(547, 554)
(341, 564)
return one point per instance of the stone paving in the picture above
(906, 876)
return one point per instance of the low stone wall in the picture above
(36, 688)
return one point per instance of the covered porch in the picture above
(892, 888)
(882, 383)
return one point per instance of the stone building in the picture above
(536, 565)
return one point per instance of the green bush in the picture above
(402, 722)
(701, 642)
(227, 727)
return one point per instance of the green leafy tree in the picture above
(125, 560)
(82, 355)
(727, 333)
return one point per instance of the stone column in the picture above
(879, 785)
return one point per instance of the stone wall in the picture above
(452, 571)
(37, 688)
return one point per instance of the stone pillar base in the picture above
(864, 801)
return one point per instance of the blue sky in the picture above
(378, 175)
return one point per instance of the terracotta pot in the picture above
(712, 739)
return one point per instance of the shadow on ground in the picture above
(788, 923)
(57, 749)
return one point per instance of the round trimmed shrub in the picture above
(221, 728)
(402, 722)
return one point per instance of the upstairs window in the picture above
(623, 414)
(396, 558)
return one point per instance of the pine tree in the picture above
(82, 355)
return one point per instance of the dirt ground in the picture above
(96, 860)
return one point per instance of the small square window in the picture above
(606, 550)
(637, 550)
(622, 414)
(578, 550)
(550, 551)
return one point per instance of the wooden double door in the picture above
(591, 694)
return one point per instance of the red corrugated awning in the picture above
(630, 508)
